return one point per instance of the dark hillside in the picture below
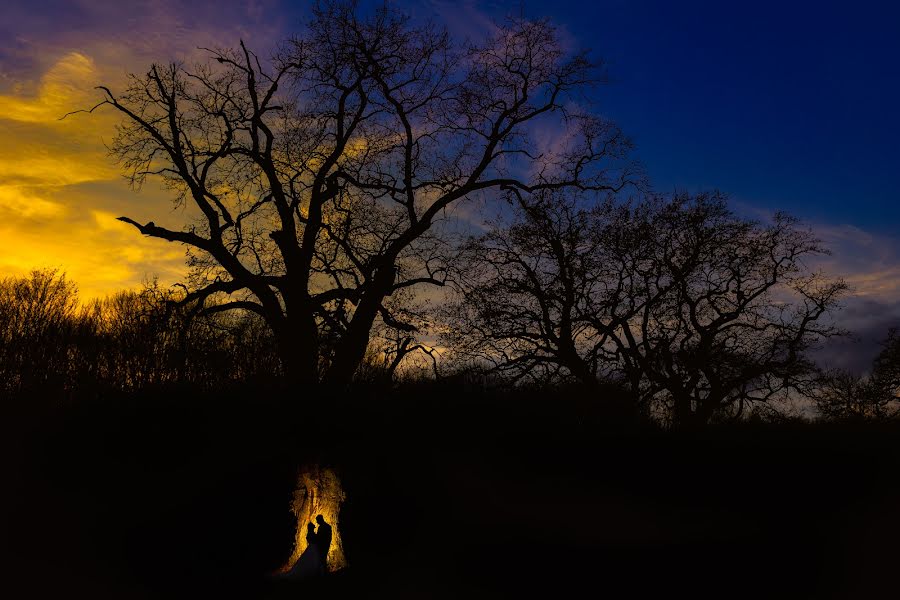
(452, 492)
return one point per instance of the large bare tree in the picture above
(725, 311)
(698, 311)
(534, 293)
(319, 177)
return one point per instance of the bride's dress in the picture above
(310, 562)
(308, 565)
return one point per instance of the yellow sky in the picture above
(60, 193)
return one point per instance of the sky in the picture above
(782, 105)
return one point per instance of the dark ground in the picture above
(451, 494)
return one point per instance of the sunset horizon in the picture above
(61, 192)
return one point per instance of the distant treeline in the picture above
(53, 345)
(50, 342)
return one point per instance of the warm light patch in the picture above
(60, 193)
(319, 492)
(28, 203)
(67, 83)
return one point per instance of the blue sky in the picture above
(790, 105)
(782, 105)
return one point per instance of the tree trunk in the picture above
(297, 347)
(350, 351)
(582, 372)
(318, 492)
(686, 416)
(683, 416)
(352, 348)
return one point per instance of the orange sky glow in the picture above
(60, 192)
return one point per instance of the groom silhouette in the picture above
(323, 541)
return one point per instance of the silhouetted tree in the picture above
(397, 340)
(128, 341)
(886, 367)
(698, 311)
(319, 176)
(842, 395)
(151, 337)
(534, 293)
(738, 311)
(37, 314)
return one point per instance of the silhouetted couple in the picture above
(314, 560)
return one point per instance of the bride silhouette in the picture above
(310, 562)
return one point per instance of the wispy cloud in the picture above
(474, 20)
(466, 19)
(870, 264)
(59, 191)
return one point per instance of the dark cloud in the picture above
(153, 30)
(868, 321)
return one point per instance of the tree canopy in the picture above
(698, 311)
(320, 176)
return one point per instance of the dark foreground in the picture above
(451, 494)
